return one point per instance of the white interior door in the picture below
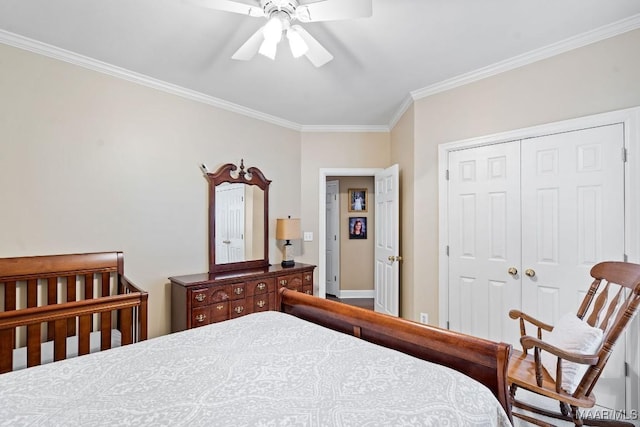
(572, 218)
(387, 242)
(230, 223)
(484, 240)
(332, 241)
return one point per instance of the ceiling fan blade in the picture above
(317, 54)
(333, 10)
(249, 49)
(229, 6)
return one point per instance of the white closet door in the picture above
(484, 240)
(572, 218)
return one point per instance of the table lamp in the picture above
(287, 229)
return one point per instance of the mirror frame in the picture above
(253, 176)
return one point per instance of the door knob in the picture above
(529, 272)
(513, 271)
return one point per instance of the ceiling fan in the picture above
(280, 15)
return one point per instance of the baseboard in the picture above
(346, 294)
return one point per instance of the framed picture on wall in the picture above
(357, 227)
(357, 200)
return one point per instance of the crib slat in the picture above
(60, 340)
(32, 293)
(33, 345)
(126, 319)
(84, 333)
(52, 299)
(71, 296)
(105, 330)
(88, 286)
(10, 296)
(6, 350)
(105, 284)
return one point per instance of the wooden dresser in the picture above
(200, 299)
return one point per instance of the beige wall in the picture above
(593, 79)
(402, 153)
(334, 150)
(356, 256)
(89, 162)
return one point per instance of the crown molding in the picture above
(584, 39)
(406, 103)
(50, 51)
(344, 128)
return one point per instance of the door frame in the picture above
(322, 216)
(630, 118)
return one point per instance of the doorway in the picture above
(386, 247)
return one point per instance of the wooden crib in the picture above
(60, 306)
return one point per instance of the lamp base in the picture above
(288, 263)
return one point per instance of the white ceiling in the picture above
(405, 48)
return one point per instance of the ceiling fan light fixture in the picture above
(268, 48)
(273, 29)
(297, 45)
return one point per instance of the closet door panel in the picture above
(572, 214)
(484, 207)
(573, 218)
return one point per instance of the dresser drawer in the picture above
(200, 297)
(238, 290)
(262, 302)
(219, 312)
(307, 278)
(219, 294)
(200, 317)
(240, 308)
(259, 287)
(290, 281)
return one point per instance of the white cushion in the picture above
(574, 335)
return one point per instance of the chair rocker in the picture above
(618, 280)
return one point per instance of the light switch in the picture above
(308, 236)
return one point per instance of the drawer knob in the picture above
(261, 303)
(200, 297)
(261, 286)
(220, 307)
(283, 282)
(200, 317)
(308, 277)
(307, 292)
(239, 309)
(238, 291)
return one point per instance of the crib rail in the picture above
(47, 299)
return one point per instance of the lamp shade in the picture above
(288, 228)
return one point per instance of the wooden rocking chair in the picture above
(526, 370)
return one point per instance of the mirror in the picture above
(238, 218)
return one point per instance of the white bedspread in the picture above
(263, 369)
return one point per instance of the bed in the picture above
(270, 368)
(56, 307)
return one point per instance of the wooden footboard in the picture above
(483, 360)
(50, 301)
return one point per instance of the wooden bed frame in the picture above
(66, 296)
(483, 360)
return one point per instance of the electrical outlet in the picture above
(424, 317)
